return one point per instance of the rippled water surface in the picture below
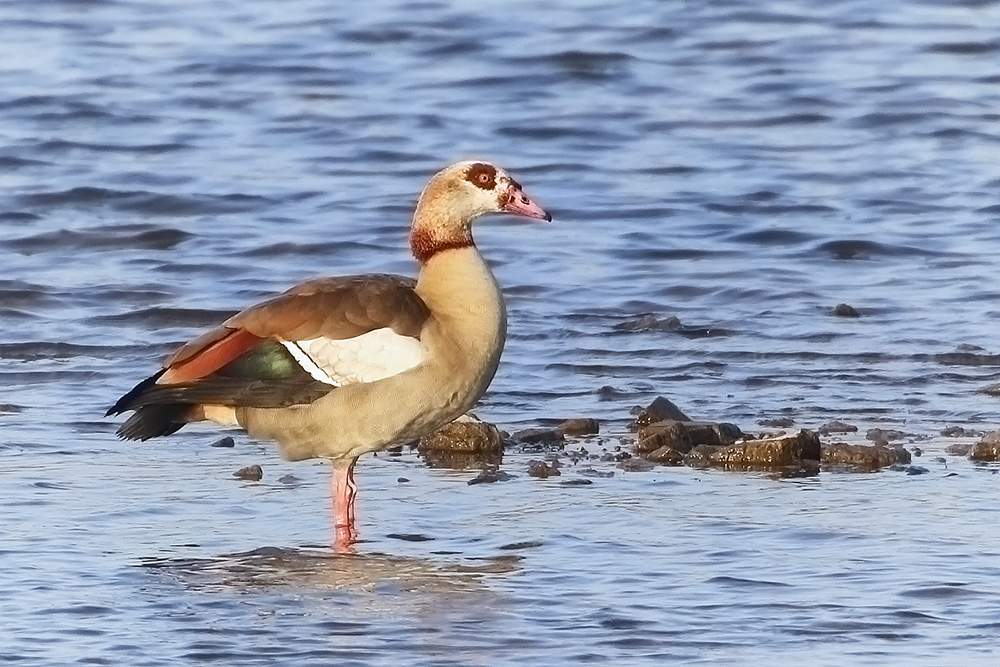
(741, 166)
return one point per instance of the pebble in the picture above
(224, 442)
(490, 475)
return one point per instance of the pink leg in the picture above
(344, 490)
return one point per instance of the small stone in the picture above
(289, 479)
(490, 475)
(992, 389)
(575, 482)
(767, 453)
(402, 480)
(836, 427)
(541, 469)
(252, 473)
(462, 444)
(959, 432)
(916, 470)
(660, 409)
(224, 442)
(916, 451)
(666, 455)
(682, 436)
(844, 310)
(579, 426)
(533, 436)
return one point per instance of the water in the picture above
(743, 168)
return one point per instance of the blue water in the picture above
(743, 167)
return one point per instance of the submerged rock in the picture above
(543, 469)
(777, 422)
(224, 442)
(836, 427)
(490, 475)
(462, 444)
(862, 457)
(252, 473)
(959, 432)
(845, 310)
(537, 436)
(579, 426)
(883, 436)
(657, 411)
(959, 449)
(987, 449)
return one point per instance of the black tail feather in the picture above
(125, 402)
(151, 421)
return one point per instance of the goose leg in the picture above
(343, 491)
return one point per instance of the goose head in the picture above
(458, 195)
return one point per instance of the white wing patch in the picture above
(365, 358)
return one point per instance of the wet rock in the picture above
(10, 408)
(916, 451)
(462, 444)
(580, 426)
(666, 455)
(959, 432)
(490, 475)
(987, 449)
(657, 411)
(590, 472)
(844, 310)
(542, 469)
(402, 480)
(992, 389)
(683, 435)
(836, 427)
(787, 451)
(289, 479)
(252, 473)
(962, 449)
(536, 436)
(224, 442)
(862, 457)
(777, 422)
(909, 470)
(576, 482)
(636, 465)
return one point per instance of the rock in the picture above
(575, 482)
(844, 310)
(701, 456)
(992, 389)
(786, 450)
(402, 480)
(490, 475)
(683, 435)
(862, 457)
(962, 449)
(289, 479)
(461, 445)
(252, 473)
(666, 455)
(534, 436)
(660, 409)
(959, 432)
(580, 426)
(224, 442)
(916, 451)
(987, 449)
(836, 427)
(541, 469)
(883, 436)
(10, 408)
(636, 465)
(777, 422)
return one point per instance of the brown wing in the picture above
(335, 308)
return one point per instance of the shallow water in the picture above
(743, 168)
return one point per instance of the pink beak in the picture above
(519, 203)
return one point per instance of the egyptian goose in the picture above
(338, 367)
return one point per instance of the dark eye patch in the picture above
(481, 175)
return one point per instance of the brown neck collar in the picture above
(425, 243)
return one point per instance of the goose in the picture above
(339, 367)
